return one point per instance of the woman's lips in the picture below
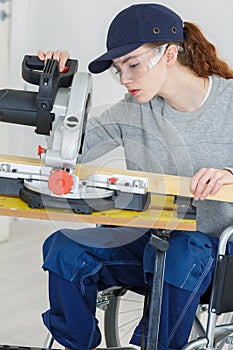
(134, 91)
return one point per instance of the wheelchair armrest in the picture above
(223, 239)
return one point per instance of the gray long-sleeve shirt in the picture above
(157, 138)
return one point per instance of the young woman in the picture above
(176, 118)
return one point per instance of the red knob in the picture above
(40, 150)
(60, 182)
(112, 180)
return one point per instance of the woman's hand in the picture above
(61, 56)
(208, 181)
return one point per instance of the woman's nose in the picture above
(124, 79)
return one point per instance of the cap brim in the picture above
(103, 62)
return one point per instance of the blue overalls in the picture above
(81, 262)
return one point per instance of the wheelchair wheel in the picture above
(200, 326)
(124, 311)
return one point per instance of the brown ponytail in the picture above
(200, 55)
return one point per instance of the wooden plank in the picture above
(20, 160)
(160, 214)
(157, 183)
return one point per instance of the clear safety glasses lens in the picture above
(135, 67)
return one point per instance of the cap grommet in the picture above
(174, 30)
(156, 30)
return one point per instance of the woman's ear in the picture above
(171, 54)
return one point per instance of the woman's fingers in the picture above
(208, 181)
(61, 56)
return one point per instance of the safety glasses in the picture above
(134, 67)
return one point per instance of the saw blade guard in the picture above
(65, 142)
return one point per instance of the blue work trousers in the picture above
(73, 291)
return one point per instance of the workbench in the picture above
(160, 214)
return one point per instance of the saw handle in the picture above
(33, 67)
(47, 76)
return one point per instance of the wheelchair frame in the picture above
(220, 302)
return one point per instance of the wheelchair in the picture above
(213, 323)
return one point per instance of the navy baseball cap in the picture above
(135, 26)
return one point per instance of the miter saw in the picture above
(59, 110)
